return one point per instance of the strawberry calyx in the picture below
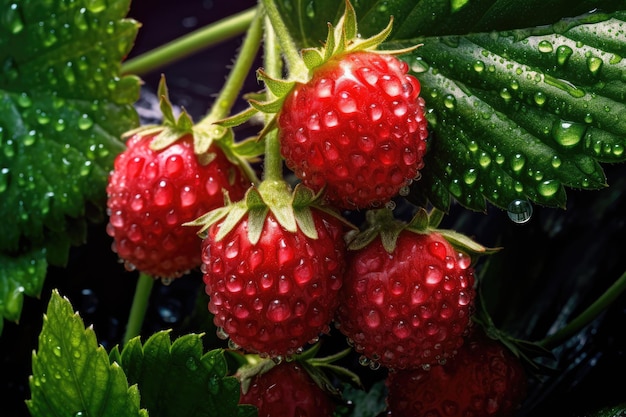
(292, 210)
(205, 134)
(318, 368)
(382, 223)
(341, 39)
(527, 352)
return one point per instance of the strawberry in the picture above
(274, 293)
(152, 193)
(483, 379)
(287, 390)
(407, 297)
(357, 128)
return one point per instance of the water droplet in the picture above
(563, 52)
(80, 20)
(548, 188)
(419, 65)
(391, 85)
(24, 101)
(520, 211)
(401, 330)
(484, 160)
(96, 6)
(81, 414)
(540, 98)
(324, 88)
(310, 10)
(517, 162)
(331, 119)
(433, 275)
(372, 319)
(163, 193)
(12, 19)
(594, 64)
(57, 351)
(85, 122)
(479, 66)
(545, 46)
(568, 134)
(346, 104)
(506, 95)
(191, 363)
(68, 73)
(214, 384)
(4, 179)
(285, 252)
(449, 101)
(277, 311)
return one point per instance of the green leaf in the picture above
(20, 275)
(72, 375)
(178, 379)
(522, 117)
(366, 403)
(63, 107)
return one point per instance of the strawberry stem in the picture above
(139, 307)
(290, 50)
(273, 164)
(189, 44)
(245, 59)
(587, 316)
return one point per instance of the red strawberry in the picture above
(275, 295)
(357, 127)
(409, 307)
(483, 379)
(287, 390)
(152, 193)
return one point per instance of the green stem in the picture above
(139, 307)
(237, 76)
(290, 50)
(273, 163)
(586, 316)
(193, 42)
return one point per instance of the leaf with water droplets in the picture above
(178, 379)
(63, 107)
(20, 275)
(533, 118)
(72, 375)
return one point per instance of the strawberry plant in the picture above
(354, 208)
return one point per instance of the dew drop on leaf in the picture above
(545, 46)
(548, 188)
(85, 122)
(96, 6)
(594, 64)
(12, 19)
(520, 211)
(563, 53)
(568, 134)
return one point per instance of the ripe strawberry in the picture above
(287, 390)
(275, 295)
(409, 307)
(483, 379)
(357, 128)
(152, 193)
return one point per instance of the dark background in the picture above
(550, 269)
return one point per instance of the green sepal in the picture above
(238, 119)
(257, 212)
(268, 107)
(279, 88)
(312, 57)
(528, 352)
(381, 223)
(465, 244)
